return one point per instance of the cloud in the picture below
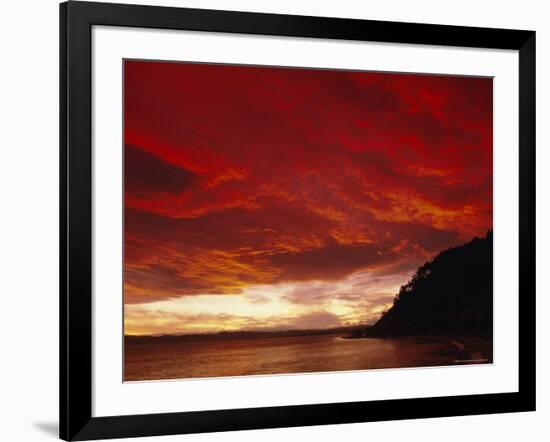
(243, 176)
(146, 174)
(330, 262)
(140, 321)
(314, 320)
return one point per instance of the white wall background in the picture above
(29, 217)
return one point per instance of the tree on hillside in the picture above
(452, 293)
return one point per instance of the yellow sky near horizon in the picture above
(357, 299)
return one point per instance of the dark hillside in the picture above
(453, 293)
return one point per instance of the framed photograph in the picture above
(273, 220)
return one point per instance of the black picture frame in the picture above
(76, 21)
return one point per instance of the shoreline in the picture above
(232, 336)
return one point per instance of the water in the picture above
(302, 354)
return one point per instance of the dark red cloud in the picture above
(146, 175)
(241, 175)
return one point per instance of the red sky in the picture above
(259, 197)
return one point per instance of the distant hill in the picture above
(231, 335)
(451, 294)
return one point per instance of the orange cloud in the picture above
(237, 177)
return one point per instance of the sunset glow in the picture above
(264, 198)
